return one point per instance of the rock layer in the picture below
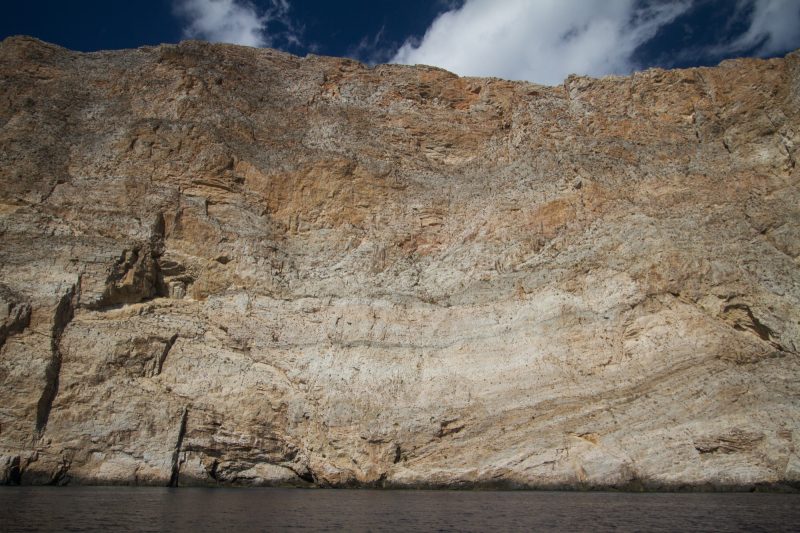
(225, 265)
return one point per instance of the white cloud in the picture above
(540, 40)
(235, 21)
(774, 27)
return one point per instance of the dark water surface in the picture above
(156, 509)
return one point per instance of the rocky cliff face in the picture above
(225, 265)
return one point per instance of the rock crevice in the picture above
(63, 314)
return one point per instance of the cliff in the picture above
(226, 265)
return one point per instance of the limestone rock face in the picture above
(226, 265)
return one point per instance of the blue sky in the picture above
(536, 40)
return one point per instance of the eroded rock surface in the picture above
(225, 265)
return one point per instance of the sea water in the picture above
(234, 510)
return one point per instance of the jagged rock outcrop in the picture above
(225, 265)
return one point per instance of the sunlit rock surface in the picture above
(226, 265)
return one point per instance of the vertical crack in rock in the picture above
(788, 147)
(157, 235)
(10, 473)
(60, 474)
(65, 310)
(176, 454)
(163, 357)
(212, 473)
(398, 454)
